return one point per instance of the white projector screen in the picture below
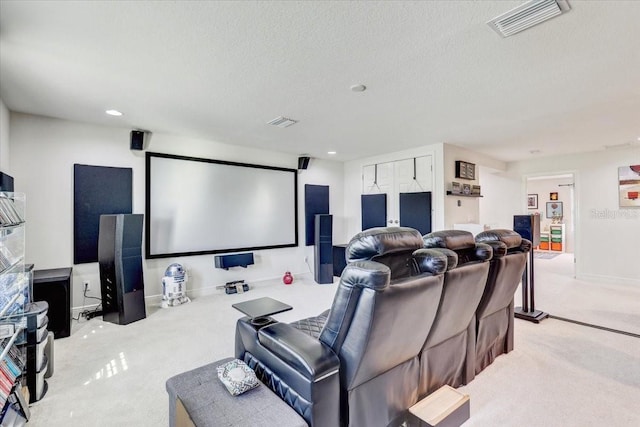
(201, 206)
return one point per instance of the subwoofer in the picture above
(323, 249)
(120, 262)
(54, 286)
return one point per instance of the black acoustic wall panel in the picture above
(415, 211)
(374, 210)
(120, 263)
(97, 190)
(316, 202)
(323, 249)
(528, 226)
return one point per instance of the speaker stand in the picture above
(527, 312)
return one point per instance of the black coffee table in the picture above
(260, 309)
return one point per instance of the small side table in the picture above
(260, 309)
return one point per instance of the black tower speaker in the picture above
(120, 261)
(137, 140)
(528, 226)
(303, 163)
(323, 249)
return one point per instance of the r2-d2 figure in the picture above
(174, 286)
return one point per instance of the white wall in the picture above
(353, 185)
(469, 210)
(606, 236)
(43, 152)
(4, 138)
(501, 199)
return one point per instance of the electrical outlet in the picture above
(87, 285)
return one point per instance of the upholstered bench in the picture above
(199, 398)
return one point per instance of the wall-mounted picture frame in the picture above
(554, 209)
(553, 196)
(465, 170)
(532, 201)
(629, 186)
(456, 188)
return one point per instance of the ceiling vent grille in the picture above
(527, 15)
(282, 122)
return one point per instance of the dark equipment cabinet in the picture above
(54, 286)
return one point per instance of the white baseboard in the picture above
(191, 293)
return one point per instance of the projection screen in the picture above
(200, 206)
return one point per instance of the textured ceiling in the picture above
(435, 72)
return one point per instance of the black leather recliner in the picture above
(448, 356)
(494, 316)
(363, 367)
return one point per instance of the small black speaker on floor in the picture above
(303, 163)
(137, 139)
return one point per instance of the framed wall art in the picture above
(629, 186)
(532, 201)
(553, 196)
(554, 209)
(465, 170)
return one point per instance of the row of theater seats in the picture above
(411, 313)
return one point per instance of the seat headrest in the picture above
(366, 274)
(508, 237)
(382, 241)
(449, 239)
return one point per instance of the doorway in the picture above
(552, 197)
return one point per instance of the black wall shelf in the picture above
(449, 193)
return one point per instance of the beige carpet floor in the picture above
(560, 374)
(607, 304)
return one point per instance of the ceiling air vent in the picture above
(527, 15)
(282, 122)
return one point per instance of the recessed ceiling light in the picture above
(358, 88)
(113, 113)
(331, 152)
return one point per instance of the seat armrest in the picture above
(483, 252)
(309, 356)
(499, 248)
